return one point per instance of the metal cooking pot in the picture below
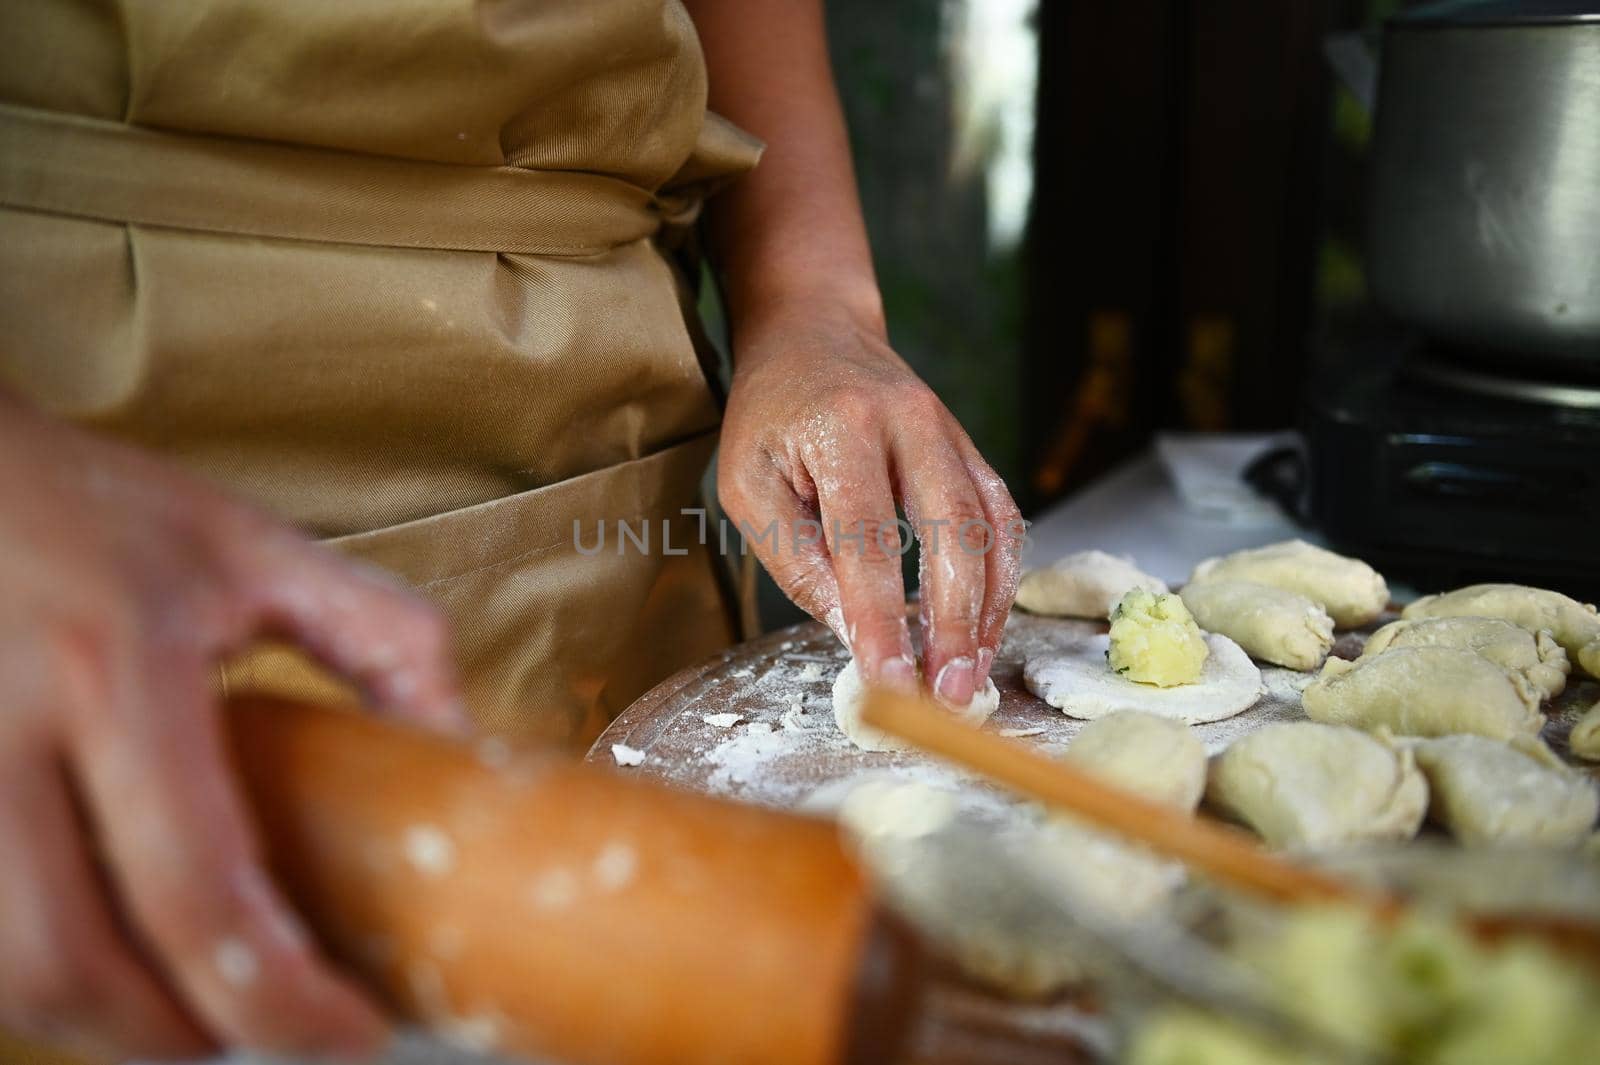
(1484, 210)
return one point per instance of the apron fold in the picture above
(561, 620)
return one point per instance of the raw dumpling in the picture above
(996, 939)
(1351, 591)
(1489, 792)
(1076, 680)
(1535, 655)
(1584, 739)
(1086, 584)
(1425, 691)
(1272, 624)
(1300, 784)
(1152, 756)
(849, 694)
(1114, 879)
(1575, 625)
(989, 921)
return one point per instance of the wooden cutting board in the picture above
(782, 749)
(785, 750)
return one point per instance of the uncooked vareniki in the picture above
(1425, 691)
(990, 924)
(1301, 784)
(1535, 655)
(1351, 591)
(1085, 584)
(1488, 792)
(849, 694)
(1102, 875)
(1584, 739)
(1271, 624)
(1575, 625)
(1154, 757)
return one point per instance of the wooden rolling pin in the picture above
(533, 905)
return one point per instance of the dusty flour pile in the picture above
(740, 760)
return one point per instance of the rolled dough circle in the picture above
(849, 694)
(1076, 680)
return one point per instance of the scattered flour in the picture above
(795, 718)
(739, 760)
(429, 850)
(236, 962)
(786, 750)
(722, 720)
(614, 866)
(555, 889)
(1286, 684)
(625, 755)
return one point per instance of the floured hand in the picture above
(126, 584)
(827, 429)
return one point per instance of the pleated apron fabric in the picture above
(400, 271)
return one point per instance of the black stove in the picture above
(1445, 471)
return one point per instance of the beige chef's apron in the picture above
(394, 269)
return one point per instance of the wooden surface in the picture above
(784, 681)
(785, 751)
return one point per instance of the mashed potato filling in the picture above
(1154, 640)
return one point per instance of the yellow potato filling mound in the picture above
(1154, 640)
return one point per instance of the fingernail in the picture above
(954, 683)
(985, 663)
(899, 674)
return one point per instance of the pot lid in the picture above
(1498, 13)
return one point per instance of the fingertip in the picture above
(899, 674)
(834, 619)
(885, 656)
(434, 704)
(955, 681)
(981, 668)
(449, 716)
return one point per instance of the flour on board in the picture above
(625, 755)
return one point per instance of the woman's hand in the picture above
(136, 918)
(826, 430)
(825, 423)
